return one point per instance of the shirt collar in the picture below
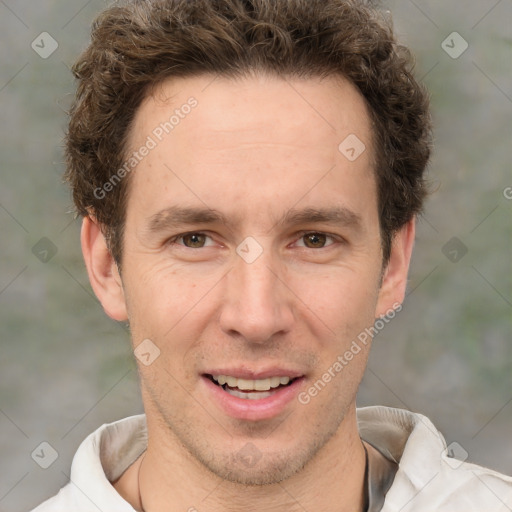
(113, 448)
(379, 475)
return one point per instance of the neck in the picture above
(167, 478)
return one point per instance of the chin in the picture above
(264, 472)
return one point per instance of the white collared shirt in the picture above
(427, 480)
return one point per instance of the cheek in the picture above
(339, 315)
(161, 298)
(341, 303)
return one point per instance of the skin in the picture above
(253, 149)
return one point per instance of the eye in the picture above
(192, 240)
(316, 240)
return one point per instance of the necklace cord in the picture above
(138, 482)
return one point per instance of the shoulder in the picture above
(449, 485)
(61, 502)
(72, 499)
(430, 475)
(101, 458)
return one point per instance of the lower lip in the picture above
(253, 410)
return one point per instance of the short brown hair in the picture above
(139, 43)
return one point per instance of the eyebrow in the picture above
(176, 216)
(337, 215)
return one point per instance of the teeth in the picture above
(257, 395)
(251, 385)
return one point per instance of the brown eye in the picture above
(194, 240)
(315, 240)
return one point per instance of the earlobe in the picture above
(394, 281)
(102, 270)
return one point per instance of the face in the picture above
(252, 262)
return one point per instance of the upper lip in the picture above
(246, 373)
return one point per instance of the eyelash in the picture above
(333, 238)
(302, 234)
(180, 237)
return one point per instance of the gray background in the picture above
(66, 368)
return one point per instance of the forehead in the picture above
(255, 108)
(215, 136)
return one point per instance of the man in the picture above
(249, 173)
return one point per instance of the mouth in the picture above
(251, 389)
(253, 396)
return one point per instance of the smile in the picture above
(252, 396)
(250, 389)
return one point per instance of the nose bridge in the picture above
(255, 304)
(256, 281)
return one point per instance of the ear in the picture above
(102, 269)
(394, 280)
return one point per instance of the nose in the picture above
(257, 304)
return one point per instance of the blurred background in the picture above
(65, 368)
